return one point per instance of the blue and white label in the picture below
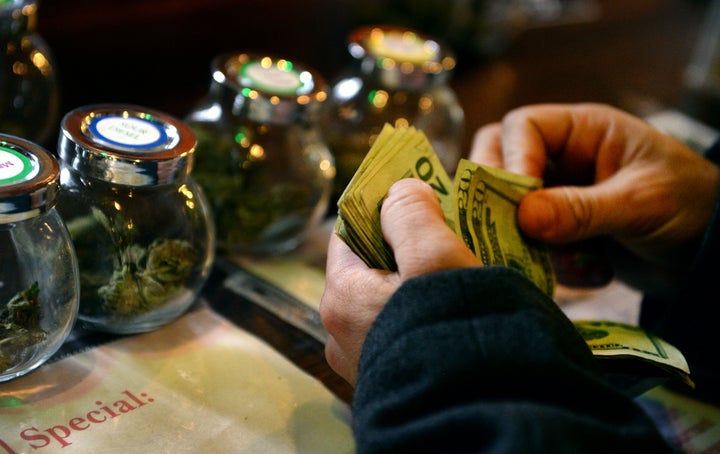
(14, 166)
(129, 132)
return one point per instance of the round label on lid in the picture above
(14, 166)
(403, 46)
(272, 79)
(131, 133)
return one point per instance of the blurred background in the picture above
(633, 54)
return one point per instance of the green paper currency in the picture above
(615, 340)
(396, 154)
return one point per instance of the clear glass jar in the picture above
(401, 78)
(142, 228)
(29, 93)
(261, 158)
(39, 284)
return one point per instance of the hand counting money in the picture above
(480, 206)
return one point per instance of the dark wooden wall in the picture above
(157, 53)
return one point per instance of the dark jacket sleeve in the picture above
(689, 320)
(479, 360)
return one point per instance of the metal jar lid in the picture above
(126, 144)
(401, 57)
(268, 89)
(28, 179)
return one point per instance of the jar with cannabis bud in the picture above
(261, 157)
(141, 226)
(39, 284)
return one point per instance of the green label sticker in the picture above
(14, 166)
(271, 78)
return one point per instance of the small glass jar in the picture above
(29, 92)
(261, 158)
(401, 78)
(142, 228)
(39, 285)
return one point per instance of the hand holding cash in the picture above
(481, 207)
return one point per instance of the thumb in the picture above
(414, 226)
(565, 214)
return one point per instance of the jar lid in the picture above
(400, 56)
(28, 179)
(126, 144)
(268, 89)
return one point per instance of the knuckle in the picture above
(582, 209)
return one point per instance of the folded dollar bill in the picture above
(620, 341)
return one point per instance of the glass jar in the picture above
(39, 285)
(142, 228)
(261, 158)
(29, 93)
(401, 78)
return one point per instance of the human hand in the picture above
(414, 226)
(607, 173)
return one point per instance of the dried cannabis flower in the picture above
(147, 280)
(142, 279)
(20, 326)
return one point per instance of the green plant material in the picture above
(143, 278)
(20, 326)
(148, 278)
(247, 198)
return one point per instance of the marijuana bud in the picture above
(170, 261)
(148, 278)
(20, 326)
(24, 308)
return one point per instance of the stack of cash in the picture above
(480, 205)
(395, 154)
